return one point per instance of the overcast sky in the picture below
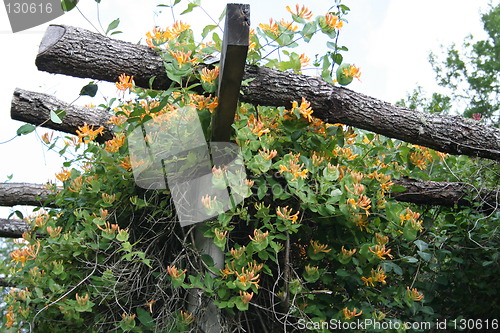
(389, 40)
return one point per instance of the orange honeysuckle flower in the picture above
(351, 314)
(381, 251)
(54, 232)
(187, 317)
(150, 305)
(304, 60)
(177, 28)
(245, 297)
(257, 126)
(82, 300)
(117, 120)
(352, 71)
(304, 108)
(294, 168)
(286, 214)
(272, 27)
(220, 235)
(414, 294)
(302, 12)
(209, 75)
(347, 253)
(124, 82)
(238, 252)
(228, 270)
(27, 253)
(88, 132)
(267, 154)
(63, 175)
(47, 137)
(361, 221)
(258, 236)
(174, 272)
(317, 247)
(182, 57)
(379, 275)
(381, 239)
(125, 163)
(109, 228)
(208, 202)
(368, 281)
(248, 276)
(114, 144)
(333, 21)
(288, 25)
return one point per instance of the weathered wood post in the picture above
(231, 70)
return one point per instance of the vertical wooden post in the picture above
(232, 66)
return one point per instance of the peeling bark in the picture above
(81, 53)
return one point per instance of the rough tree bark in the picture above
(449, 194)
(34, 108)
(81, 53)
(28, 194)
(12, 228)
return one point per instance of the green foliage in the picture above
(317, 236)
(471, 74)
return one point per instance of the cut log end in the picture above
(53, 34)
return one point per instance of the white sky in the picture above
(388, 39)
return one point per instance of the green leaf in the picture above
(422, 246)
(342, 273)
(113, 25)
(424, 255)
(398, 188)
(144, 317)
(68, 5)
(308, 31)
(89, 90)
(25, 129)
(207, 29)
(56, 116)
(191, 6)
(208, 260)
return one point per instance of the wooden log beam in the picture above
(12, 194)
(13, 228)
(81, 53)
(449, 194)
(34, 108)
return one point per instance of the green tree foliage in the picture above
(472, 73)
(317, 238)
(462, 279)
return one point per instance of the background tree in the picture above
(471, 74)
(463, 279)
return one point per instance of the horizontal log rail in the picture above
(80, 53)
